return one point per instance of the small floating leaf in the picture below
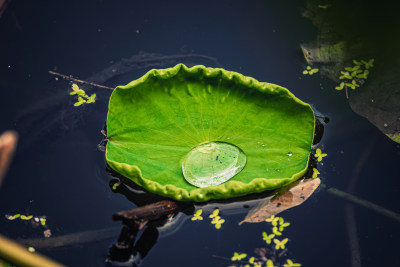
(290, 263)
(197, 215)
(368, 64)
(315, 173)
(319, 155)
(340, 87)
(75, 87)
(214, 214)
(275, 231)
(218, 222)
(268, 238)
(91, 99)
(280, 244)
(43, 221)
(23, 217)
(238, 257)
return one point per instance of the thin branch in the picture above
(19, 255)
(362, 202)
(79, 81)
(78, 238)
(351, 226)
(8, 143)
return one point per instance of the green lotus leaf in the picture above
(156, 121)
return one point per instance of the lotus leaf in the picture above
(156, 120)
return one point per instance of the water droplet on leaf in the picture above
(290, 154)
(212, 163)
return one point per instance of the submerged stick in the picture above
(8, 143)
(79, 81)
(72, 239)
(19, 255)
(148, 212)
(353, 236)
(362, 202)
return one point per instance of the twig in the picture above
(8, 143)
(353, 237)
(79, 81)
(72, 239)
(350, 217)
(228, 259)
(19, 255)
(148, 212)
(347, 93)
(361, 202)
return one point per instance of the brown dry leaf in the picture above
(294, 196)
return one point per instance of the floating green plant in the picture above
(82, 96)
(280, 244)
(319, 155)
(214, 214)
(276, 250)
(16, 216)
(315, 173)
(310, 71)
(216, 219)
(218, 222)
(195, 134)
(197, 215)
(238, 256)
(355, 76)
(268, 238)
(283, 224)
(272, 219)
(290, 263)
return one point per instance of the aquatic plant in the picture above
(310, 71)
(277, 245)
(218, 222)
(290, 263)
(280, 244)
(315, 173)
(268, 238)
(319, 155)
(355, 76)
(238, 256)
(82, 96)
(197, 215)
(195, 134)
(216, 219)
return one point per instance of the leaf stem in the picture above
(79, 81)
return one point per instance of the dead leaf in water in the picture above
(294, 196)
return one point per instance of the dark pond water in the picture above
(59, 172)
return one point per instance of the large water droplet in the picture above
(212, 163)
